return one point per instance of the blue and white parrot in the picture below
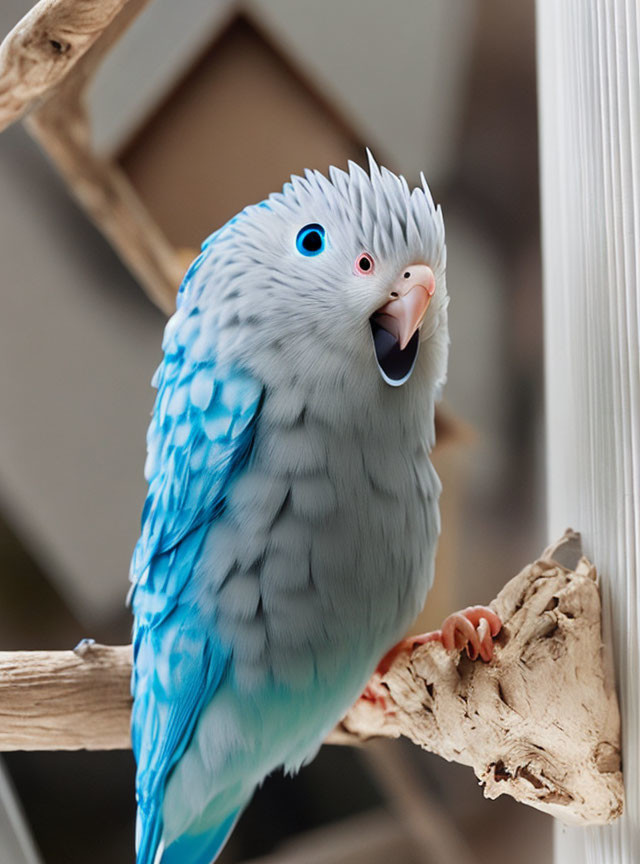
(289, 532)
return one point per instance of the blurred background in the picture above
(206, 107)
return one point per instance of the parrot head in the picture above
(336, 281)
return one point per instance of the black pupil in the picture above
(312, 241)
(365, 263)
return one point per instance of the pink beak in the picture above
(410, 294)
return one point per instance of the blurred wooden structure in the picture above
(242, 103)
(46, 64)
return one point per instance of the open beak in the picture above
(395, 325)
(411, 294)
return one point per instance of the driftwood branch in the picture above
(540, 722)
(46, 64)
(66, 700)
(44, 46)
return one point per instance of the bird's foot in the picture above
(376, 693)
(472, 629)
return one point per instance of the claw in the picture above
(472, 629)
(374, 693)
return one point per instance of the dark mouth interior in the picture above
(395, 365)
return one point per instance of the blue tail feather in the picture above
(148, 835)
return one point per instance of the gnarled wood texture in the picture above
(44, 46)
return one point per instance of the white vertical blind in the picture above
(589, 91)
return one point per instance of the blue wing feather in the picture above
(200, 436)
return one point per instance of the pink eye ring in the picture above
(364, 264)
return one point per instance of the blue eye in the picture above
(310, 240)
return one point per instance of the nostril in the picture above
(407, 275)
(394, 294)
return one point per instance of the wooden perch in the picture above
(540, 722)
(46, 64)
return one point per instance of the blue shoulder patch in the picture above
(201, 431)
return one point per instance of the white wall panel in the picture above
(589, 79)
